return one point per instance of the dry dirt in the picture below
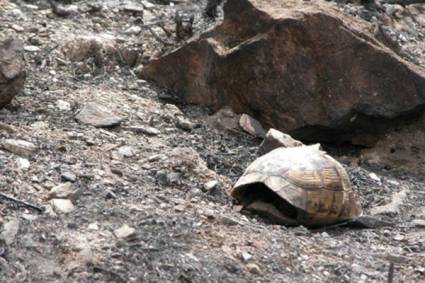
(155, 183)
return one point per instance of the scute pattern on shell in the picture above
(308, 179)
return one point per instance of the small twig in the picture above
(391, 273)
(151, 24)
(157, 37)
(161, 25)
(24, 203)
(121, 58)
(132, 73)
(61, 60)
(59, 10)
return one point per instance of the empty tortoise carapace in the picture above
(298, 186)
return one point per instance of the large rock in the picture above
(299, 67)
(12, 71)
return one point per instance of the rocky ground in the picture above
(146, 201)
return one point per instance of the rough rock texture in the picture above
(102, 49)
(224, 119)
(251, 126)
(401, 148)
(275, 139)
(12, 72)
(98, 115)
(19, 147)
(185, 232)
(305, 69)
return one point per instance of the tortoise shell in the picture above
(298, 185)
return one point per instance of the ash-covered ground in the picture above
(152, 185)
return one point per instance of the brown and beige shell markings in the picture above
(299, 185)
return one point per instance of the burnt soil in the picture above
(155, 184)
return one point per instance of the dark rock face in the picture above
(306, 70)
(12, 71)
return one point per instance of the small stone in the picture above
(148, 5)
(275, 139)
(64, 11)
(398, 237)
(225, 220)
(397, 258)
(237, 208)
(393, 207)
(62, 205)
(93, 226)
(246, 256)
(154, 157)
(40, 125)
(185, 124)
(48, 210)
(419, 223)
(180, 208)
(19, 147)
(29, 217)
(32, 48)
(98, 115)
(127, 151)
(375, 177)
(31, 7)
(253, 268)
(22, 163)
(174, 177)
(208, 186)
(90, 141)
(17, 28)
(63, 105)
(251, 126)
(64, 190)
(10, 230)
(68, 177)
(326, 273)
(133, 30)
(110, 195)
(209, 213)
(301, 231)
(35, 41)
(224, 119)
(162, 177)
(133, 8)
(144, 130)
(394, 182)
(124, 231)
(324, 234)
(16, 13)
(420, 270)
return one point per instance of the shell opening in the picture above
(260, 199)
